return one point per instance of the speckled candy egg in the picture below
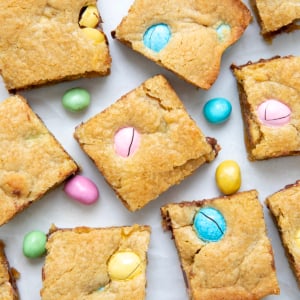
(217, 110)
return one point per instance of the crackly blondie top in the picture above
(96, 263)
(164, 145)
(276, 14)
(8, 276)
(187, 37)
(269, 97)
(223, 247)
(285, 208)
(43, 42)
(32, 161)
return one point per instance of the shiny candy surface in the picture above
(124, 265)
(76, 99)
(223, 31)
(209, 224)
(217, 110)
(94, 34)
(228, 177)
(34, 243)
(126, 141)
(82, 189)
(157, 37)
(90, 17)
(274, 113)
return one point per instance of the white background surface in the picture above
(129, 69)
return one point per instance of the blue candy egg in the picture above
(157, 36)
(223, 31)
(217, 110)
(209, 224)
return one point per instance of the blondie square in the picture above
(275, 15)
(31, 160)
(8, 287)
(269, 97)
(96, 263)
(284, 205)
(43, 42)
(163, 144)
(187, 37)
(223, 247)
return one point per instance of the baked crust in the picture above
(42, 43)
(32, 161)
(8, 287)
(240, 265)
(276, 15)
(194, 50)
(171, 148)
(285, 209)
(76, 263)
(274, 78)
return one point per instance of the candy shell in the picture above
(157, 37)
(94, 34)
(34, 244)
(126, 141)
(217, 110)
(124, 265)
(274, 113)
(89, 17)
(228, 177)
(76, 99)
(209, 224)
(82, 189)
(223, 31)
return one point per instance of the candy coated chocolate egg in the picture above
(223, 31)
(209, 224)
(93, 34)
(228, 177)
(76, 99)
(34, 244)
(124, 265)
(274, 113)
(90, 17)
(126, 141)
(157, 37)
(82, 189)
(217, 110)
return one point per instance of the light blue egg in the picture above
(223, 31)
(209, 224)
(217, 110)
(157, 36)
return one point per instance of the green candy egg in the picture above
(76, 99)
(34, 244)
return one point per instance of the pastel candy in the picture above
(228, 177)
(157, 37)
(89, 17)
(223, 31)
(94, 35)
(209, 224)
(274, 113)
(124, 265)
(217, 110)
(76, 99)
(82, 189)
(34, 244)
(126, 141)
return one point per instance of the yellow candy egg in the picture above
(90, 17)
(297, 238)
(124, 265)
(94, 34)
(228, 177)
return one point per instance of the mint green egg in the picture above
(34, 244)
(76, 99)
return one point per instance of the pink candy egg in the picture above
(274, 113)
(82, 189)
(126, 141)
